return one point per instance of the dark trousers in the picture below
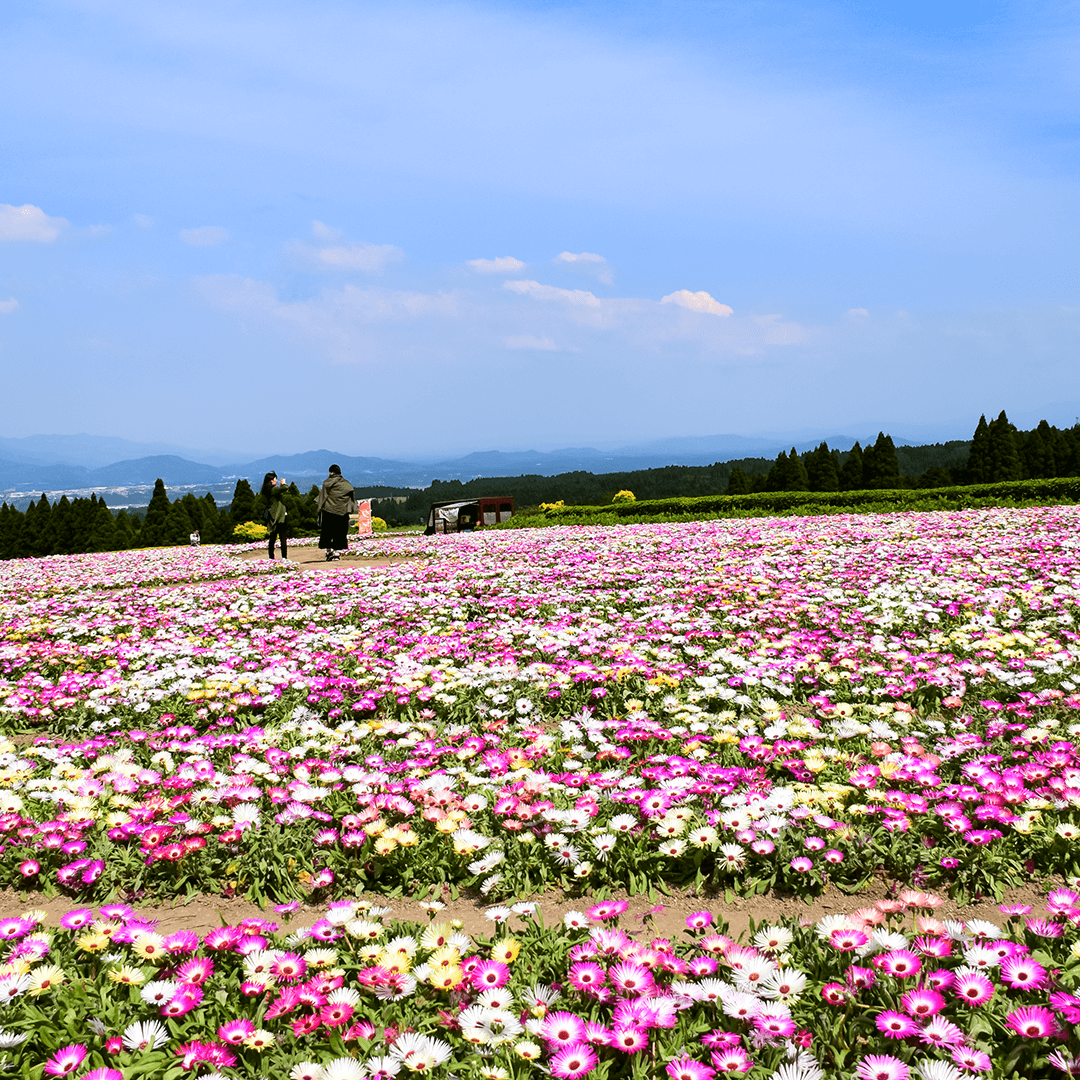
(277, 532)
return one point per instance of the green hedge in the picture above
(783, 503)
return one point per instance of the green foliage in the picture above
(155, 529)
(852, 471)
(1006, 493)
(242, 507)
(881, 470)
(739, 483)
(378, 525)
(822, 469)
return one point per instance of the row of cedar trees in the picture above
(68, 527)
(999, 451)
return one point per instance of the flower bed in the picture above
(885, 993)
(740, 706)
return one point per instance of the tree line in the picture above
(67, 527)
(997, 451)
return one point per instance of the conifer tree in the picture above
(178, 525)
(739, 483)
(978, 464)
(852, 470)
(1003, 457)
(65, 528)
(37, 535)
(778, 474)
(821, 471)
(211, 518)
(103, 534)
(154, 530)
(124, 536)
(880, 467)
(242, 507)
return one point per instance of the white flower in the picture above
(306, 1070)
(8, 1039)
(421, 1053)
(345, 1068)
(145, 1035)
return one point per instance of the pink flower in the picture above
(1023, 973)
(922, 1003)
(1032, 1022)
(686, 1068)
(881, 1067)
(895, 1025)
(974, 988)
(698, 921)
(66, 1061)
(802, 864)
(900, 963)
(573, 1061)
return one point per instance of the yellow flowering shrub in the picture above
(250, 530)
(624, 497)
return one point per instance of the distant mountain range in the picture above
(74, 463)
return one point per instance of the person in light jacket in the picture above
(272, 489)
(334, 504)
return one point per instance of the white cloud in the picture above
(369, 257)
(857, 313)
(531, 341)
(28, 223)
(697, 301)
(586, 261)
(577, 297)
(504, 264)
(8, 306)
(204, 236)
(143, 221)
(324, 232)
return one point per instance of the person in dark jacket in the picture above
(335, 503)
(276, 528)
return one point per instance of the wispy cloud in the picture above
(371, 258)
(577, 297)
(8, 306)
(28, 223)
(697, 301)
(504, 264)
(204, 236)
(142, 221)
(588, 262)
(531, 341)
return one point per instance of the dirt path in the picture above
(662, 916)
(311, 558)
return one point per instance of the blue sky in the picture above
(416, 228)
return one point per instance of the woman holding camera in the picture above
(272, 491)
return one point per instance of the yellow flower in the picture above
(148, 945)
(92, 941)
(45, 978)
(397, 962)
(384, 845)
(437, 935)
(446, 978)
(445, 957)
(129, 976)
(506, 950)
(446, 825)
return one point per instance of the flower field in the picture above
(736, 706)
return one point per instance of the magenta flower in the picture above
(77, 918)
(234, 1032)
(573, 1061)
(922, 1004)
(632, 978)
(802, 864)
(698, 921)
(847, 940)
(686, 1068)
(1023, 973)
(629, 1038)
(881, 1067)
(732, 1059)
(563, 1028)
(1032, 1022)
(490, 975)
(586, 976)
(971, 1059)
(974, 988)
(895, 1025)
(66, 1061)
(900, 963)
